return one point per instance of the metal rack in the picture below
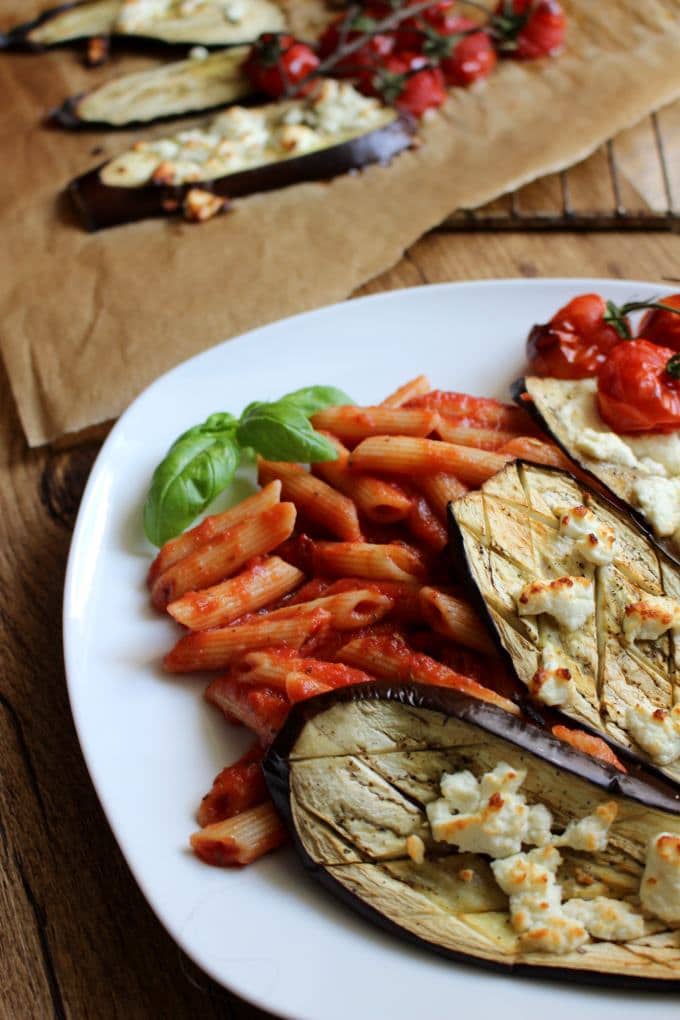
(631, 183)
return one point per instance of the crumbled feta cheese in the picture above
(298, 138)
(415, 848)
(539, 826)
(656, 731)
(651, 617)
(594, 540)
(660, 449)
(592, 832)
(199, 52)
(536, 911)
(460, 790)
(553, 683)
(569, 600)
(338, 107)
(607, 919)
(660, 884)
(605, 445)
(135, 14)
(200, 205)
(233, 10)
(659, 500)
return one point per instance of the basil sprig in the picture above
(201, 463)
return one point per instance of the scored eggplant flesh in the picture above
(353, 771)
(172, 90)
(207, 25)
(642, 470)
(508, 535)
(245, 151)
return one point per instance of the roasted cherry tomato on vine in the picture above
(528, 29)
(662, 327)
(407, 82)
(368, 56)
(278, 62)
(638, 388)
(575, 342)
(418, 34)
(471, 59)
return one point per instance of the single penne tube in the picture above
(318, 501)
(439, 490)
(481, 412)
(236, 788)
(351, 424)
(409, 455)
(348, 610)
(260, 707)
(177, 548)
(425, 526)
(452, 431)
(413, 388)
(388, 657)
(219, 648)
(538, 451)
(381, 501)
(274, 667)
(222, 556)
(455, 619)
(388, 561)
(240, 840)
(259, 585)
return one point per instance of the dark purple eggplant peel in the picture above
(102, 205)
(351, 772)
(507, 535)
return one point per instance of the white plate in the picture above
(153, 746)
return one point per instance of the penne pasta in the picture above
(318, 501)
(177, 548)
(261, 584)
(236, 788)
(482, 412)
(381, 501)
(348, 610)
(408, 455)
(413, 388)
(390, 658)
(452, 431)
(439, 490)
(425, 526)
(262, 709)
(222, 556)
(455, 619)
(351, 424)
(389, 562)
(278, 668)
(217, 649)
(240, 840)
(537, 450)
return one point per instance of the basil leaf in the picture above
(314, 398)
(280, 431)
(197, 467)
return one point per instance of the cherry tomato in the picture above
(407, 82)
(368, 56)
(416, 34)
(635, 390)
(660, 327)
(277, 62)
(575, 342)
(543, 31)
(472, 58)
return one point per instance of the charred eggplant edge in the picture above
(517, 390)
(277, 771)
(17, 38)
(543, 713)
(101, 205)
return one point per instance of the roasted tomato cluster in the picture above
(638, 377)
(408, 52)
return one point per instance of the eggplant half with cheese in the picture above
(243, 151)
(171, 90)
(170, 22)
(643, 470)
(462, 828)
(583, 603)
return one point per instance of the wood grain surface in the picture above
(77, 939)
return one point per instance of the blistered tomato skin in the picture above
(471, 59)
(543, 33)
(661, 327)
(576, 341)
(635, 393)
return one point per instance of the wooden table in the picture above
(77, 938)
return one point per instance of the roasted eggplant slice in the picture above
(357, 776)
(244, 151)
(172, 90)
(583, 603)
(172, 22)
(643, 470)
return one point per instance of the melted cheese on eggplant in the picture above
(136, 15)
(242, 138)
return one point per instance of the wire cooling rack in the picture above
(631, 183)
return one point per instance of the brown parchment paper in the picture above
(87, 321)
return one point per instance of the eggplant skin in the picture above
(281, 760)
(101, 205)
